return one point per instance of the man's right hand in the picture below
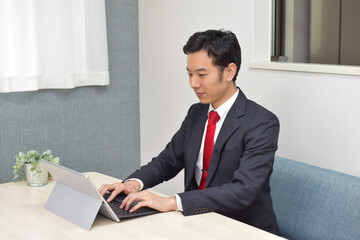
(130, 186)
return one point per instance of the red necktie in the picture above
(208, 146)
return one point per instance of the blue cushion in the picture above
(315, 203)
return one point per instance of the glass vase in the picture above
(35, 179)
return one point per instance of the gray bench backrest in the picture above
(315, 203)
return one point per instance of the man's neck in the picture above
(232, 90)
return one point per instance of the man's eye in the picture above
(202, 75)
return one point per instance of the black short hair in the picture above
(222, 46)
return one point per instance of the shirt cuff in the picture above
(179, 203)
(138, 180)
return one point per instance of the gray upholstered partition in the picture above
(89, 128)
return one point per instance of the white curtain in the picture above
(52, 44)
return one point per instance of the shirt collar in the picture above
(225, 107)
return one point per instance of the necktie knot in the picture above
(213, 117)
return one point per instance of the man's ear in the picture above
(231, 71)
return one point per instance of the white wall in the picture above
(319, 113)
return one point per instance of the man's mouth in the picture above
(200, 94)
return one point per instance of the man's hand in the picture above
(128, 187)
(148, 199)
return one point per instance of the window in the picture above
(263, 49)
(52, 44)
(316, 31)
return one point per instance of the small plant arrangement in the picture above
(33, 158)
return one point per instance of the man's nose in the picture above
(194, 82)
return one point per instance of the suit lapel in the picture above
(232, 122)
(195, 143)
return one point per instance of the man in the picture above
(226, 144)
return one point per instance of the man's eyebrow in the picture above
(198, 70)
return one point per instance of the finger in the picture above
(115, 192)
(101, 189)
(137, 206)
(104, 188)
(107, 187)
(128, 200)
(124, 201)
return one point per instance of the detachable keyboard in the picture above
(122, 213)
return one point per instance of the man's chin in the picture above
(203, 101)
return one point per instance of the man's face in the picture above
(208, 83)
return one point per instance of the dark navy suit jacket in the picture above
(237, 185)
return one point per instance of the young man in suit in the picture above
(226, 144)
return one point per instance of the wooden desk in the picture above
(22, 216)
